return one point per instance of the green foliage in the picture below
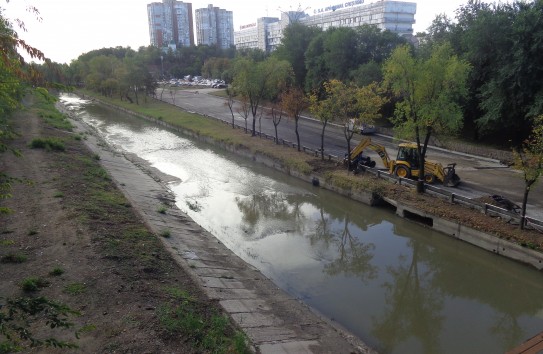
(75, 288)
(166, 233)
(18, 315)
(259, 80)
(13, 258)
(33, 284)
(430, 91)
(50, 144)
(208, 333)
(56, 272)
(293, 47)
(529, 159)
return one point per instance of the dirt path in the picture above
(108, 267)
(103, 255)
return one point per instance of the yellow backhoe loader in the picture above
(406, 164)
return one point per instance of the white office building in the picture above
(395, 16)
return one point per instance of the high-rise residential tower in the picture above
(214, 26)
(170, 22)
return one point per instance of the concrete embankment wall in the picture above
(453, 229)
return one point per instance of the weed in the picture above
(209, 334)
(75, 288)
(194, 206)
(77, 137)
(50, 144)
(7, 242)
(96, 157)
(162, 209)
(57, 271)
(17, 314)
(34, 284)
(192, 265)
(58, 195)
(32, 232)
(165, 233)
(13, 258)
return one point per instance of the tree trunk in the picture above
(297, 135)
(322, 141)
(524, 203)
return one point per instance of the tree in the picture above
(244, 110)
(323, 110)
(529, 159)
(317, 72)
(294, 102)
(339, 54)
(350, 105)
(293, 47)
(230, 103)
(277, 114)
(255, 80)
(430, 92)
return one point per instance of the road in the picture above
(480, 176)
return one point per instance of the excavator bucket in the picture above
(451, 178)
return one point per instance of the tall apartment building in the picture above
(266, 33)
(214, 26)
(170, 22)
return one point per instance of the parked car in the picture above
(362, 128)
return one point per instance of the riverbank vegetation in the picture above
(76, 244)
(335, 175)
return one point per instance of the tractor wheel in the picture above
(429, 178)
(402, 171)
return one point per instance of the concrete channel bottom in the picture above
(274, 321)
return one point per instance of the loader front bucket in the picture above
(451, 178)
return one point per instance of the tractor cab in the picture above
(407, 153)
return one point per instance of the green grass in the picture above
(211, 332)
(166, 233)
(202, 126)
(44, 107)
(49, 144)
(58, 195)
(7, 242)
(34, 284)
(13, 258)
(162, 209)
(56, 272)
(75, 288)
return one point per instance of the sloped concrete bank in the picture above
(450, 228)
(274, 321)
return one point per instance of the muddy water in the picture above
(398, 286)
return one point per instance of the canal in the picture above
(398, 286)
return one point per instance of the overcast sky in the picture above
(70, 28)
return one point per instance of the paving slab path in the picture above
(274, 321)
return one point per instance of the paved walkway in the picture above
(274, 321)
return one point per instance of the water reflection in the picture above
(400, 287)
(413, 306)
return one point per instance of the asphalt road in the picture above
(480, 176)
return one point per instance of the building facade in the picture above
(395, 16)
(214, 26)
(170, 22)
